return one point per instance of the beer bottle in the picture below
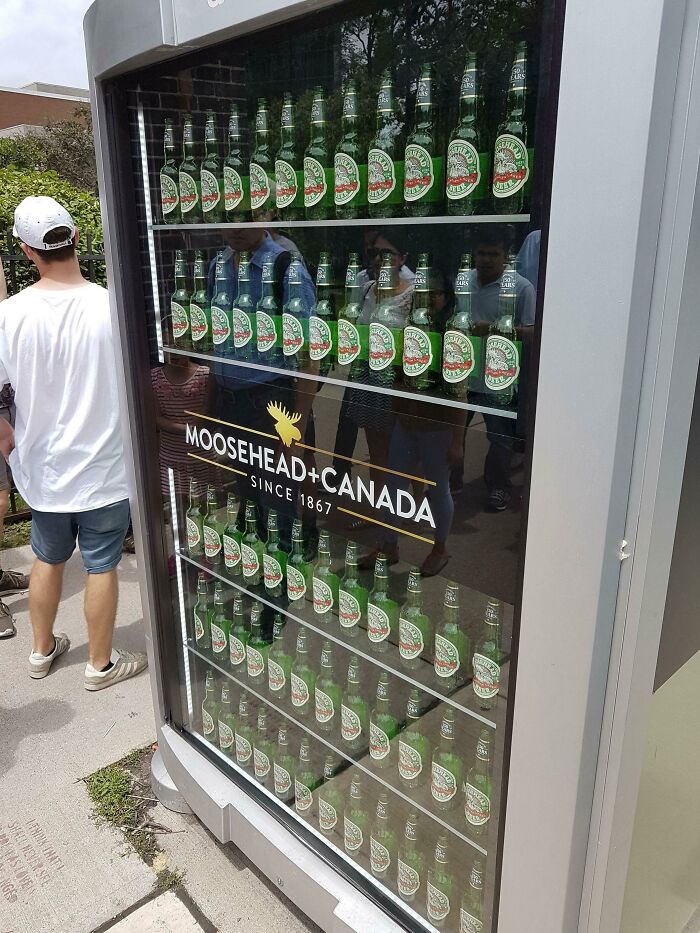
(318, 170)
(467, 154)
(236, 178)
(299, 572)
(220, 626)
(414, 748)
(305, 780)
(231, 538)
(451, 643)
(303, 678)
(279, 662)
(477, 788)
(382, 611)
(323, 316)
(349, 342)
(382, 726)
(512, 158)
(384, 163)
(283, 767)
(221, 304)
(440, 886)
(294, 316)
(194, 521)
(210, 708)
(471, 913)
(352, 596)
(447, 766)
(330, 800)
(502, 365)
(243, 311)
(414, 625)
(202, 616)
(382, 840)
(328, 693)
(325, 582)
(418, 347)
(257, 648)
(410, 865)
(263, 751)
(200, 309)
(384, 355)
(251, 548)
(267, 315)
(423, 182)
(350, 168)
(179, 304)
(354, 712)
(274, 558)
(212, 529)
(188, 176)
(355, 821)
(238, 637)
(262, 168)
(169, 195)
(226, 722)
(458, 356)
(244, 734)
(211, 174)
(486, 663)
(289, 176)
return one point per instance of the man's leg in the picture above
(10, 580)
(53, 541)
(45, 586)
(101, 593)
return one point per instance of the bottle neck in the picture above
(180, 282)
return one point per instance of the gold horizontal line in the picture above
(376, 521)
(228, 424)
(372, 466)
(213, 463)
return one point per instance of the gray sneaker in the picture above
(128, 664)
(7, 623)
(40, 664)
(13, 582)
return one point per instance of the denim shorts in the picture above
(99, 532)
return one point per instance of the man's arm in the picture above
(3, 284)
(7, 439)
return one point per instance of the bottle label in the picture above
(408, 880)
(502, 363)
(315, 185)
(193, 537)
(178, 316)
(266, 331)
(198, 627)
(212, 542)
(218, 639)
(477, 806)
(487, 677)
(468, 85)
(377, 623)
(410, 761)
(296, 584)
(463, 169)
(382, 347)
(198, 322)
(286, 183)
(242, 327)
(446, 657)
(292, 335)
(261, 763)
(303, 798)
(211, 192)
(169, 198)
(225, 736)
(352, 835)
(443, 785)
(381, 176)
(350, 724)
(275, 676)
(418, 172)
(272, 571)
(300, 691)
(236, 650)
(410, 640)
(220, 327)
(323, 597)
(320, 338)
(282, 778)
(468, 923)
(349, 611)
(189, 196)
(438, 903)
(256, 662)
(243, 749)
(417, 351)
(232, 552)
(233, 188)
(348, 342)
(327, 815)
(378, 742)
(259, 186)
(379, 857)
(324, 707)
(457, 356)
(207, 723)
(347, 178)
(251, 564)
(511, 168)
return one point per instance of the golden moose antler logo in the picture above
(285, 424)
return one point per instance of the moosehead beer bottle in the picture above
(236, 178)
(212, 529)
(211, 174)
(180, 304)
(220, 626)
(251, 548)
(451, 643)
(294, 316)
(238, 637)
(299, 572)
(263, 751)
(382, 726)
(502, 364)
(194, 521)
(226, 723)
(303, 680)
(458, 355)
(350, 168)
(354, 712)
(414, 748)
(289, 176)
(352, 596)
(471, 911)
(262, 167)
(423, 182)
(383, 352)
(349, 343)
(417, 346)
(410, 865)
(267, 315)
(384, 163)
(330, 800)
(231, 538)
(355, 821)
(414, 625)
(511, 158)
(446, 772)
(440, 887)
(325, 582)
(169, 195)
(382, 611)
(274, 558)
(279, 662)
(318, 168)
(202, 616)
(305, 781)
(486, 663)
(257, 649)
(328, 693)
(382, 841)
(200, 309)
(210, 708)
(283, 768)
(188, 176)
(243, 311)
(468, 176)
(477, 788)
(320, 333)
(221, 304)
(244, 734)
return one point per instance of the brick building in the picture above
(23, 108)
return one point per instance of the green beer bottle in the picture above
(210, 708)
(350, 168)
(268, 324)
(212, 174)
(289, 175)
(330, 800)
(417, 347)
(202, 616)
(318, 167)
(200, 309)
(194, 521)
(221, 304)
(477, 788)
(354, 712)
(325, 582)
(263, 751)
(384, 160)
(458, 355)
(512, 159)
(468, 159)
(283, 768)
(231, 538)
(243, 312)
(220, 626)
(212, 529)
(414, 625)
(451, 643)
(236, 178)
(180, 304)
(440, 887)
(303, 678)
(226, 722)
(355, 821)
(382, 841)
(384, 354)
(423, 183)
(382, 611)
(279, 662)
(294, 317)
(169, 177)
(328, 692)
(305, 781)
(188, 177)
(352, 596)
(238, 638)
(414, 748)
(262, 168)
(299, 572)
(486, 663)
(410, 866)
(251, 548)
(446, 776)
(502, 363)
(323, 316)
(382, 726)
(257, 649)
(471, 913)
(244, 734)
(274, 558)
(349, 341)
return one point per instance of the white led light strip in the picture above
(149, 230)
(181, 591)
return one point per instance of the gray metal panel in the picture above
(126, 34)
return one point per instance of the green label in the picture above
(233, 188)
(292, 335)
(296, 584)
(378, 742)
(179, 319)
(189, 194)
(383, 346)
(349, 611)
(410, 640)
(381, 176)
(464, 169)
(198, 323)
(323, 596)
(315, 184)
(324, 707)
(417, 351)
(260, 186)
(272, 571)
(487, 677)
(256, 662)
(348, 342)
(211, 192)
(244, 749)
(266, 328)
(285, 183)
(410, 761)
(212, 542)
(275, 676)
(282, 778)
(299, 691)
(327, 815)
(225, 736)
(352, 835)
(320, 338)
(220, 327)
(193, 538)
(408, 880)
(169, 198)
(438, 903)
(502, 363)
(443, 785)
(350, 724)
(236, 651)
(458, 356)
(251, 564)
(477, 806)
(232, 552)
(207, 722)
(446, 657)
(242, 327)
(378, 626)
(379, 857)
(303, 798)
(419, 175)
(347, 178)
(511, 165)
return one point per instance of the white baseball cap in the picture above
(37, 216)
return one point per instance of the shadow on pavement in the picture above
(36, 718)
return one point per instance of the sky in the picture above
(42, 40)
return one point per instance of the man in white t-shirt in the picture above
(66, 451)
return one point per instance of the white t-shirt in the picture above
(56, 350)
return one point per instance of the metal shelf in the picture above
(357, 222)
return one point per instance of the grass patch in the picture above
(166, 880)
(16, 534)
